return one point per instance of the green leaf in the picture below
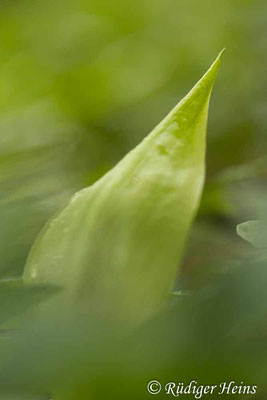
(16, 298)
(255, 232)
(116, 246)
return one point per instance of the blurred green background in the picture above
(81, 83)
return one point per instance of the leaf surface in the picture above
(116, 246)
(255, 232)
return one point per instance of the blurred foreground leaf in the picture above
(16, 297)
(255, 232)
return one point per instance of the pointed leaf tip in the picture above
(205, 84)
(215, 67)
(189, 117)
(195, 104)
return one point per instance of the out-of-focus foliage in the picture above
(81, 82)
(216, 334)
(254, 232)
